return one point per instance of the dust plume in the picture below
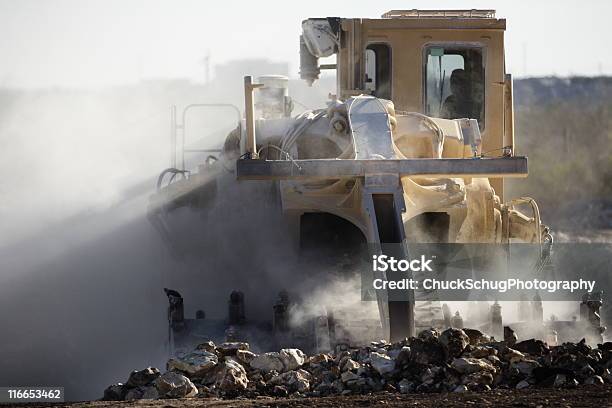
(81, 268)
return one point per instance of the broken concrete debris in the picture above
(454, 360)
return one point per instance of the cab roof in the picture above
(441, 19)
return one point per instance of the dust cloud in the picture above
(80, 265)
(82, 269)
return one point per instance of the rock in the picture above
(115, 392)
(268, 362)
(295, 381)
(348, 376)
(546, 376)
(594, 380)
(195, 364)
(206, 392)
(607, 375)
(525, 367)
(424, 352)
(454, 341)
(452, 379)
(319, 358)
(245, 356)
(429, 334)
(206, 346)
(428, 375)
(596, 355)
(321, 374)
(231, 376)
(254, 375)
(142, 377)
(393, 353)
(482, 352)
(133, 394)
(280, 391)
(559, 381)
(142, 393)
(350, 365)
(381, 363)
(292, 358)
(363, 372)
(325, 388)
(478, 387)
(337, 385)
(510, 337)
(607, 346)
(452, 361)
(482, 377)
(230, 348)
(472, 365)
(587, 371)
(269, 375)
(340, 356)
(427, 388)
(532, 346)
(174, 385)
(405, 386)
(343, 361)
(522, 385)
(379, 343)
(512, 355)
(403, 357)
(150, 393)
(476, 337)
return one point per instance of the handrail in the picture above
(175, 126)
(416, 13)
(172, 171)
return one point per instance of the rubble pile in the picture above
(454, 360)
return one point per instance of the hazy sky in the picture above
(78, 43)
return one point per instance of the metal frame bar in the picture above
(334, 168)
(202, 150)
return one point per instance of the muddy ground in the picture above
(583, 396)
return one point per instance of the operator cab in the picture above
(442, 63)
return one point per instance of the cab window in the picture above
(454, 82)
(378, 70)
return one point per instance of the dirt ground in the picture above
(583, 396)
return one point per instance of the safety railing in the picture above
(178, 132)
(415, 13)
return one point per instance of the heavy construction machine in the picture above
(414, 146)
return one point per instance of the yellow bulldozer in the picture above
(414, 146)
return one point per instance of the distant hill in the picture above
(546, 90)
(564, 125)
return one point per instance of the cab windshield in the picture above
(454, 83)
